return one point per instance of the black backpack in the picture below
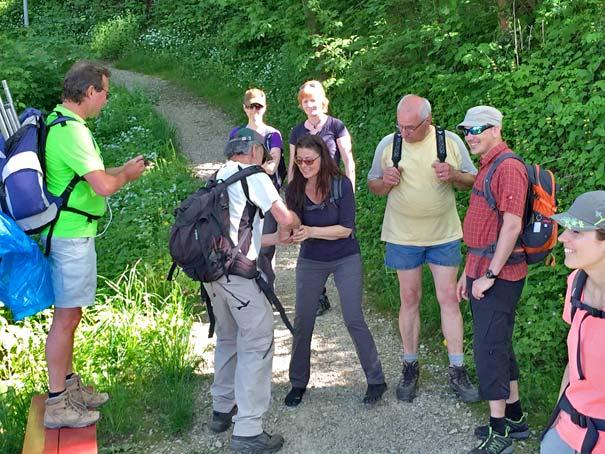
(441, 150)
(200, 243)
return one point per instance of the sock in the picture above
(456, 360)
(498, 425)
(68, 376)
(514, 411)
(51, 395)
(409, 357)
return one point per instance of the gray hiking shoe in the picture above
(220, 422)
(406, 388)
(258, 444)
(83, 394)
(461, 385)
(519, 430)
(495, 444)
(64, 411)
(324, 305)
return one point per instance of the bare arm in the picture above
(346, 153)
(291, 162)
(283, 216)
(332, 232)
(448, 174)
(110, 181)
(463, 180)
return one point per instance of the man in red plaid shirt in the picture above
(494, 276)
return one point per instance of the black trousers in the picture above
(493, 324)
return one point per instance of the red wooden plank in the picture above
(39, 440)
(78, 441)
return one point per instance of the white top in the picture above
(262, 194)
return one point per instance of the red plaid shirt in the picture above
(480, 229)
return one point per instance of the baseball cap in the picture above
(481, 115)
(586, 213)
(242, 142)
(255, 96)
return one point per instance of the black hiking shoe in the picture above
(374, 394)
(495, 444)
(220, 422)
(462, 386)
(258, 444)
(519, 430)
(324, 305)
(294, 397)
(406, 388)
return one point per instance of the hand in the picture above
(134, 168)
(284, 235)
(461, 292)
(482, 285)
(444, 172)
(301, 234)
(391, 176)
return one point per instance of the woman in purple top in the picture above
(328, 246)
(255, 106)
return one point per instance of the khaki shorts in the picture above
(73, 264)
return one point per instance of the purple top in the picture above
(275, 141)
(333, 129)
(341, 212)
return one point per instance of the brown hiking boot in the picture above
(83, 394)
(63, 411)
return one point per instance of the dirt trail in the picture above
(331, 418)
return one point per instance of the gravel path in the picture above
(331, 418)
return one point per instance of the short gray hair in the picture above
(426, 107)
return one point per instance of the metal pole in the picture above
(3, 128)
(11, 105)
(6, 126)
(25, 14)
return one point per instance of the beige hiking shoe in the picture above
(84, 395)
(63, 411)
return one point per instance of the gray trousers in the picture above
(311, 276)
(244, 352)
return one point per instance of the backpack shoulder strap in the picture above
(268, 140)
(336, 189)
(487, 189)
(397, 146)
(243, 173)
(441, 149)
(577, 287)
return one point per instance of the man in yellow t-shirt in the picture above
(72, 152)
(421, 225)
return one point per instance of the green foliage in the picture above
(112, 37)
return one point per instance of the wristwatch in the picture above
(490, 274)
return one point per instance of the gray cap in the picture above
(481, 115)
(242, 141)
(586, 213)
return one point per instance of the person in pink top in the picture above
(578, 422)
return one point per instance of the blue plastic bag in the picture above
(25, 281)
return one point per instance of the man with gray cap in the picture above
(493, 277)
(244, 319)
(421, 225)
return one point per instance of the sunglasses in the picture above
(305, 161)
(475, 130)
(255, 106)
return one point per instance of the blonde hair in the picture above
(316, 89)
(255, 95)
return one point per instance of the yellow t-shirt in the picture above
(421, 210)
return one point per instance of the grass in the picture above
(134, 343)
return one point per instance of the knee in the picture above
(67, 321)
(446, 296)
(410, 298)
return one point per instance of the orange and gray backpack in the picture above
(539, 234)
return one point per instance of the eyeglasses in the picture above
(306, 161)
(254, 106)
(103, 90)
(409, 128)
(475, 130)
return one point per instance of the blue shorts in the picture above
(401, 257)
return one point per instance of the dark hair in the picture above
(295, 193)
(80, 77)
(601, 234)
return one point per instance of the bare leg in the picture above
(451, 318)
(60, 344)
(410, 292)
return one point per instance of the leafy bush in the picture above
(112, 37)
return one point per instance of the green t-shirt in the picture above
(70, 150)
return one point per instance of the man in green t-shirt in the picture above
(71, 150)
